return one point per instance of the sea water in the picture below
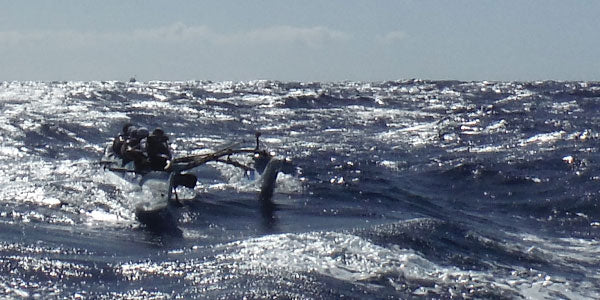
(401, 189)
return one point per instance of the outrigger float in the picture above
(159, 187)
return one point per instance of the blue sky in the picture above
(300, 40)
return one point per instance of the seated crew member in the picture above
(120, 140)
(158, 150)
(129, 135)
(134, 148)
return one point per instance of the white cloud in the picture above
(176, 33)
(66, 38)
(392, 37)
(176, 51)
(311, 36)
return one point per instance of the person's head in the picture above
(126, 128)
(158, 135)
(141, 133)
(131, 131)
(158, 132)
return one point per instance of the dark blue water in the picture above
(403, 189)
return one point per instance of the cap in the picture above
(158, 132)
(131, 130)
(126, 127)
(141, 133)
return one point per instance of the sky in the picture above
(309, 40)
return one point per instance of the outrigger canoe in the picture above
(159, 187)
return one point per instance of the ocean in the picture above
(409, 189)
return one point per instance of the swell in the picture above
(458, 244)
